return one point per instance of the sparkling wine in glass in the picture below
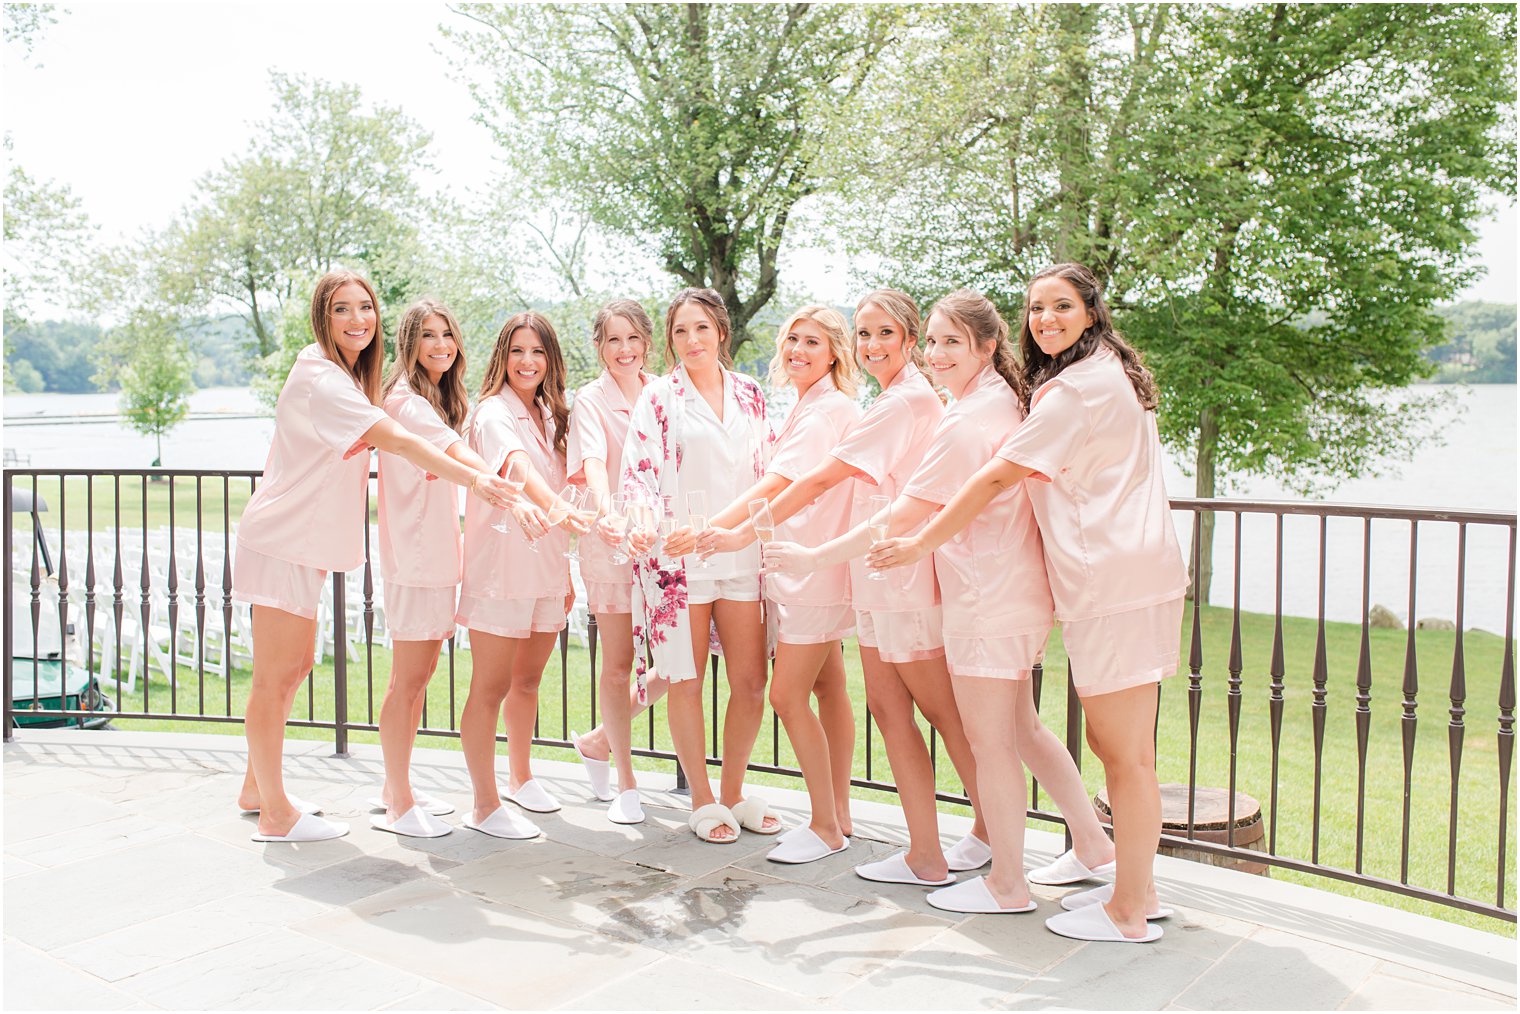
(696, 516)
(760, 517)
(880, 524)
(617, 520)
(516, 477)
(588, 507)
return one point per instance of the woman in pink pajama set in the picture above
(1089, 457)
(307, 518)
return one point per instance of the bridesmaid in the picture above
(307, 518)
(699, 437)
(623, 335)
(811, 612)
(419, 550)
(515, 592)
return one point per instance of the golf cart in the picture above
(38, 656)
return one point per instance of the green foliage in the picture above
(22, 376)
(692, 129)
(46, 234)
(25, 23)
(326, 183)
(61, 353)
(151, 361)
(1480, 343)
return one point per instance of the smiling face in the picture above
(1055, 315)
(806, 354)
(696, 338)
(622, 348)
(527, 362)
(881, 344)
(437, 347)
(352, 320)
(952, 353)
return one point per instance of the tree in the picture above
(694, 129)
(149, 358)
(1276, 196)
(325, 184)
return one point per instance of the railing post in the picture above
(340, 667)
(9, 634)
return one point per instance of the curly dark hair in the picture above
(1038, 367)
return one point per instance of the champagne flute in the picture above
(640, 519)
(696, 516)
(559, 510)
(880, 524)
(760, 517)
(617, 517)
(665, 523)
(516, 477)
(588, 509)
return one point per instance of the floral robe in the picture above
(651, 464)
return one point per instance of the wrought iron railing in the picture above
(152, 587)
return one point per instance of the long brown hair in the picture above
(711, 304)
(551, 389)
(846, 376)
(901, 308)
(1038, 367)
(975, 313)
(633, 312)
(370, 363)
(447, 397)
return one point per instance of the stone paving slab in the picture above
(131, 883)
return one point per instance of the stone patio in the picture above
(131, 883)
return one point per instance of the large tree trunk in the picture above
(1202, 550)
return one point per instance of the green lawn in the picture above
(1430, 784)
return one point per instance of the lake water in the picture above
(1473, 468)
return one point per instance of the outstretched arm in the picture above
(388, 435)
(790, 558)
(995, 477)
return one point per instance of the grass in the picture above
(145, 504)
(1430, 780)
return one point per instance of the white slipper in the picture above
(300, 804)
(307, 828)
(1067, 869)
(1103, 895)
(532, 796)
(710, 817)
(1091, 922)
(414, 823)
(895, 870)
(970, 853)
(973, 898)
(751, 813)
(502, 823)
(433, 807)
(803, 846)
(626, 808)
(600, 774)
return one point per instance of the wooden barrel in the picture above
(1211, 823)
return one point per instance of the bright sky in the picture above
(132, 102)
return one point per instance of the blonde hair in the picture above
(370, 362)
(630, 310)
(975, 313)
(447, 397)
(551, 389)
(846, 376)
(900, 307)
(711, 304)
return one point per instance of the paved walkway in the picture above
(130, 883)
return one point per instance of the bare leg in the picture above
(283, 648)
(491, 676)
(597, 744)
(412, 665)
(837, 715)
(1046, 758)
(743, 639)
(520, 709)
(685, 714)
(929, 683)
(891, 707)
(987, 708)
(797, 670)
(1121, 725)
